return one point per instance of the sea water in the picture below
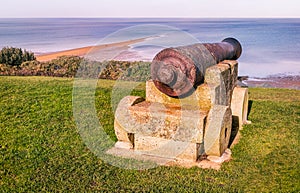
(270, 46)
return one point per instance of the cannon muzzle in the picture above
(177, 71)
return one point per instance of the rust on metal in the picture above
(177, 71)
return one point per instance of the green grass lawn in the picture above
(42, 151)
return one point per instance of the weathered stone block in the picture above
(168, 121)
(167, 148)
(158, 120)
(221, 80)
(200, 99)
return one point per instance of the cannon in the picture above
(192, 105)
(177, 71)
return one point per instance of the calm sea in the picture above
(270, 46)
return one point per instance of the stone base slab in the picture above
(211, 162)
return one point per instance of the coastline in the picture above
(123, 54)
(121, 46)
(275, 81)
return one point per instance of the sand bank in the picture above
(84, 50)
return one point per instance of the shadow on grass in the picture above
(234, 130)
(249, 107)
(235, 125)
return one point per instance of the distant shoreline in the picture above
(120, 46)
(277, 81)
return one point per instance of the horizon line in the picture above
(79, 17)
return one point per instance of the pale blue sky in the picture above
(150, 8)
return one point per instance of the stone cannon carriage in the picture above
(192, 105)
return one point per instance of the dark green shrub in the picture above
(125, 70)
(64, 66)
(15, 56)
(71, 66)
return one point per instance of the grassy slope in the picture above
(41, 150)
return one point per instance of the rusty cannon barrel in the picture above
(177, 71)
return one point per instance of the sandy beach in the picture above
(122, 46)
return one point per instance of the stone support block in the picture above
(199, 99)
(221, 80)
(160, 147)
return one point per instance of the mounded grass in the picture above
(42, 151)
